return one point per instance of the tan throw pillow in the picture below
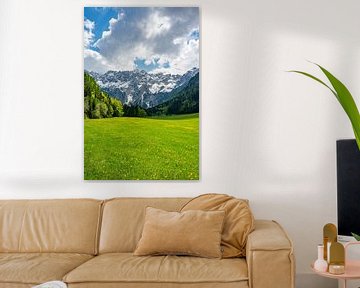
(239, 220)
(196, 233)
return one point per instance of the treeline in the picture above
(185, 101)
(134, 111)
(98, 104)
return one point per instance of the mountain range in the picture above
(183, 101)
(147, 90)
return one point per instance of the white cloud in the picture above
(121, 15)
(88, 32)
(156, 25)
(107, 33)
(185, 60)
(94, 61)
(156, 35)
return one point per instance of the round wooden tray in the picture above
(352, 271)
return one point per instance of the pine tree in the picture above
(98, 104)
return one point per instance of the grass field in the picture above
(163, 148)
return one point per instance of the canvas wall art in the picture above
(141, 93)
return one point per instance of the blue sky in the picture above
(154, 39)
(101, 16)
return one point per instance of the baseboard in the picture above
(310, 280)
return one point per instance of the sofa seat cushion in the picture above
(125, 267)
(242, 284)
(36, 268)
(15, 285)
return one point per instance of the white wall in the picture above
(266, 135)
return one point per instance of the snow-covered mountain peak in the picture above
(138, 87)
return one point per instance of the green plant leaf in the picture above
(347, 102)
(316, 79)
(344, 97)
(356, 236)
(357, 137)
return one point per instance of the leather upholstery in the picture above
(123, 218)
(242, 284)
(73, 226)
(269, 256)
(15, 285)
(64, 226)
(36, 268)
(239, 220)
(125, 268)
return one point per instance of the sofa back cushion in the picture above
(123, 220)
(66, 226)
(238, 224)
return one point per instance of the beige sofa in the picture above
(89, 243)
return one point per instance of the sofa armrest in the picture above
(269, 256)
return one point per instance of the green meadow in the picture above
(129, 148)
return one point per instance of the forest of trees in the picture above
(98, 104)
(134, 111)
(185, 101)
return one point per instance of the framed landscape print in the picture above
(141, 93)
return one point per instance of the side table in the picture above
(352, 268)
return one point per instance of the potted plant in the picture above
(343, 95)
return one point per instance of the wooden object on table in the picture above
(329, 236)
